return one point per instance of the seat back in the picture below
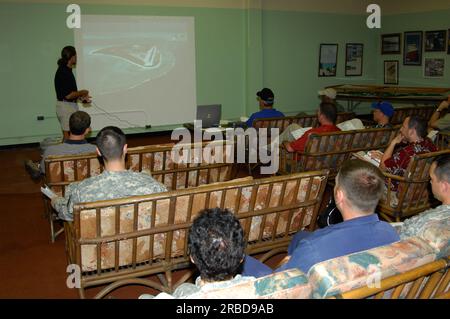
(205, 163)
(412, 195)
(330, 150)
(402, 113)
(143, 235)
(289, 284)
(368, 268)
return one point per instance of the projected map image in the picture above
(114, 68)
(138, 69)
(140, 55)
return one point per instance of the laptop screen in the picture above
(209, 114)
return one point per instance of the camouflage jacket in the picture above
(417, 225)
(108, 185)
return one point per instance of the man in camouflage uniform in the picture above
(440, 185)
(115, 181)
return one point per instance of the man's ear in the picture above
(192, 259)
(125, 149)
(98, 151)
(87, 131)
(339, 195)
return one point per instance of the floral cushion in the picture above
(289, 284)
(356, 270)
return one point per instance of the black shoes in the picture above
(33, 169)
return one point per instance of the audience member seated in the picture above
(115, 181)
(382, 113)
(411, 140)
(438, 121)
(217, 248)
(440, 185)
(80, 127)
(266, 100)
(359, 186)
(326, 115)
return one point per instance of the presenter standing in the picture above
(67, 93)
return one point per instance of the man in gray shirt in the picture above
(115, 181)
(80, 127)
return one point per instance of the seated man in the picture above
(382, 113)
(80, 127)
(114, 182)
(266, 101)
(326, 115)
(217, 247)
(411, 140)
(358, 188)
(438, 121)
(440, 185)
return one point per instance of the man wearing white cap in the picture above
(328, 95)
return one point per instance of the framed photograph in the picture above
(354, 59)
(413, 46)
(391, 72)
(328, 60)
(448, 49)
(434, 68)
(435, 41)
(391, 43)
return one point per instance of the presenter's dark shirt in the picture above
(64, 83)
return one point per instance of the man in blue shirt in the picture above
(359, 186)
(266, 100)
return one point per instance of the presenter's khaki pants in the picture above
(63, 111)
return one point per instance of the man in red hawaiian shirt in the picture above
(326, 115)
(412, 140)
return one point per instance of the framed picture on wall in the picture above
(391, 43)
(328, 60)
(354, 59)
(435, 41)
(391, 72)
(412, 52)
(448, 49)
(434, 68)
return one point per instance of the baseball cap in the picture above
(266, 95)
(384, 107)
(331, 93)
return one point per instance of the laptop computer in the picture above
(208, 114)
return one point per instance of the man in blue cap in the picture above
(266, 100)
(382, 113)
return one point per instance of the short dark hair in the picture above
(442, 170)
(363, 184)
(329, 110)
(419, 124)
(110, 141)
(217, 244)
(79, 122)
(66, 54)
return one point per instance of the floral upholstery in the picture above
(356, 270)
(273, 195)
(289, 284)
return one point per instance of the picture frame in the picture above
(391, 71)
(413, 48)
(328, 56)
(434, 68)
(391, 43)
(448, 42)
(354, 59)
(435, 41)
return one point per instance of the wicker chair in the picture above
(408, 195)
